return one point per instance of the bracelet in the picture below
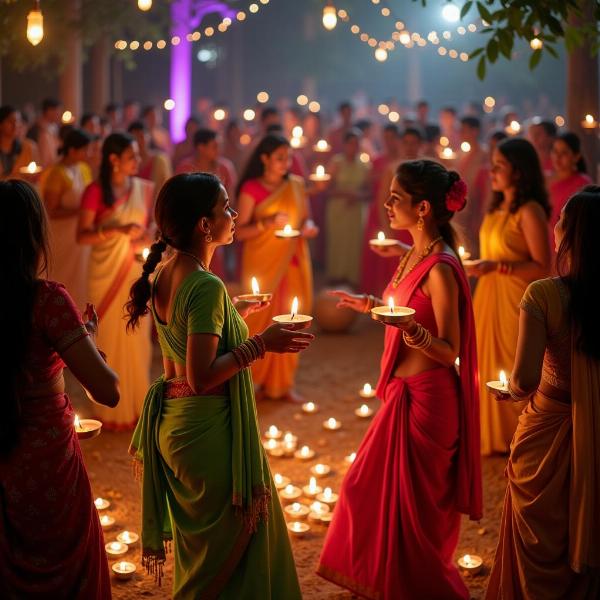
(514, 395)
(100, 232)
(249, 351)
(504, 268)
(421, 340)
(370, 303)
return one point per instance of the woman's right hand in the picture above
(276, 221)
(356, 302)
(388, 251)
(279, 339)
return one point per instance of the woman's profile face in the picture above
(400, 210)
(501, 172)
(222, 225)
(564, 159)
(278, 162)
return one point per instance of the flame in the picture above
(320, 170)
(503, 379)
(461, 251)
(391, 304)
(294, 307)
(367, 389)
(77, 422)
(145, 253)
(297, 132)
(381, 236)
(322, 145)
(364, 409)
(287, 230)
(31, 167)
(589, 119)
(255, 288)
(313, 483)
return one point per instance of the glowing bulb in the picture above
(381, 238)
(67, 116)
(219, 114)
(35, 25)
(536, 44)
(302, 100)
(294, 311)
(394, 116)
(297, 131)
(314, 106)
(559, 120)
(255, 288)
(381, 54)
(451, 12)
(364, 157)
(391, 304)
(490, 101)
(444, 141)
(329, 17)
(169, 104)
(262, 97)
(249, 114)
(465, 147)
(383, 109)
(144, 5)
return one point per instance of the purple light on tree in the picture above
(187, 15)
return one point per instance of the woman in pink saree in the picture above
(418, 466)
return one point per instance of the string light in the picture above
(262, 97)
(329, 16)
(381, 54)
(35, 24)
(536, 44)
(192, 36)
(169, 104)
(249, 114)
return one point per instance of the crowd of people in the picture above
(103, 191)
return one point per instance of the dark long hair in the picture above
(574, 143)
(579, 268)
(254, 167)
(23, 228)
(431, 181)
(115, 143)
(183, 200)
(527, 174)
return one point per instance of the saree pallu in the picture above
(215, 554)
(51, 543)
(112, 271)
(532, 558)
(402, 482)
(283, 267)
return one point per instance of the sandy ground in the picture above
(331, 373)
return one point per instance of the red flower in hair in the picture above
(456, 198)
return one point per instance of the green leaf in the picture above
(475, 53)
(535, 58)
(551, 50)
(484, 13)
(492, 50)
(481, 68)
(465, 9)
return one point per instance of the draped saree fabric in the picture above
(417, 468)
(206, 482)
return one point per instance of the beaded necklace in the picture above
(404, 261)
(204, 267)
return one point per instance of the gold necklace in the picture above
(403, 262)
(204, 267)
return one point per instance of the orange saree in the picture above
(283, 267)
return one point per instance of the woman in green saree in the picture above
(206, 483)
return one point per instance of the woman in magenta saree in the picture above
(51, 543)
(396, 525)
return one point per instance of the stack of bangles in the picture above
(420, 340)
(514, 395)
(252, 349)
(504, 268)
(371, 300)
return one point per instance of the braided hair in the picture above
(183, 200)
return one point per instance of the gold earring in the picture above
(208, 238)
(420, 223)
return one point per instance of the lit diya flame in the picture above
(461, 251)
(322, 146)
(391, 304)
(381, 236)
(320, 171)
(255, 288)
(77, 422)
(297, 132)
(145, 253)
(294, 310)
(32, 167)
(367, 389)
(287, 230)
(503, 379)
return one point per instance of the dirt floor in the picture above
(331, 373)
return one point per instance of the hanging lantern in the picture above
(35, 24)
(329, 16)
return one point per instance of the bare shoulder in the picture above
(532, 211)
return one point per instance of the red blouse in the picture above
(57, 324)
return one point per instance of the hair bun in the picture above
(456, 196)
(453, 177)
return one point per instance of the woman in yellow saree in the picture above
(514, 252)
(268, 199)
(206, 482)
(115, 215)
(549, 543)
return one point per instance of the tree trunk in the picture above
(100, 74)
(70, 82)
(582, 93)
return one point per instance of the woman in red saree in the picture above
(51, 543)
(396, 525)
(549, 544)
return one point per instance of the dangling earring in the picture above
(208, 238)
(420, 223)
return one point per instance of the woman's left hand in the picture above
(245, 307)
(309, 229)
(477, 268)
